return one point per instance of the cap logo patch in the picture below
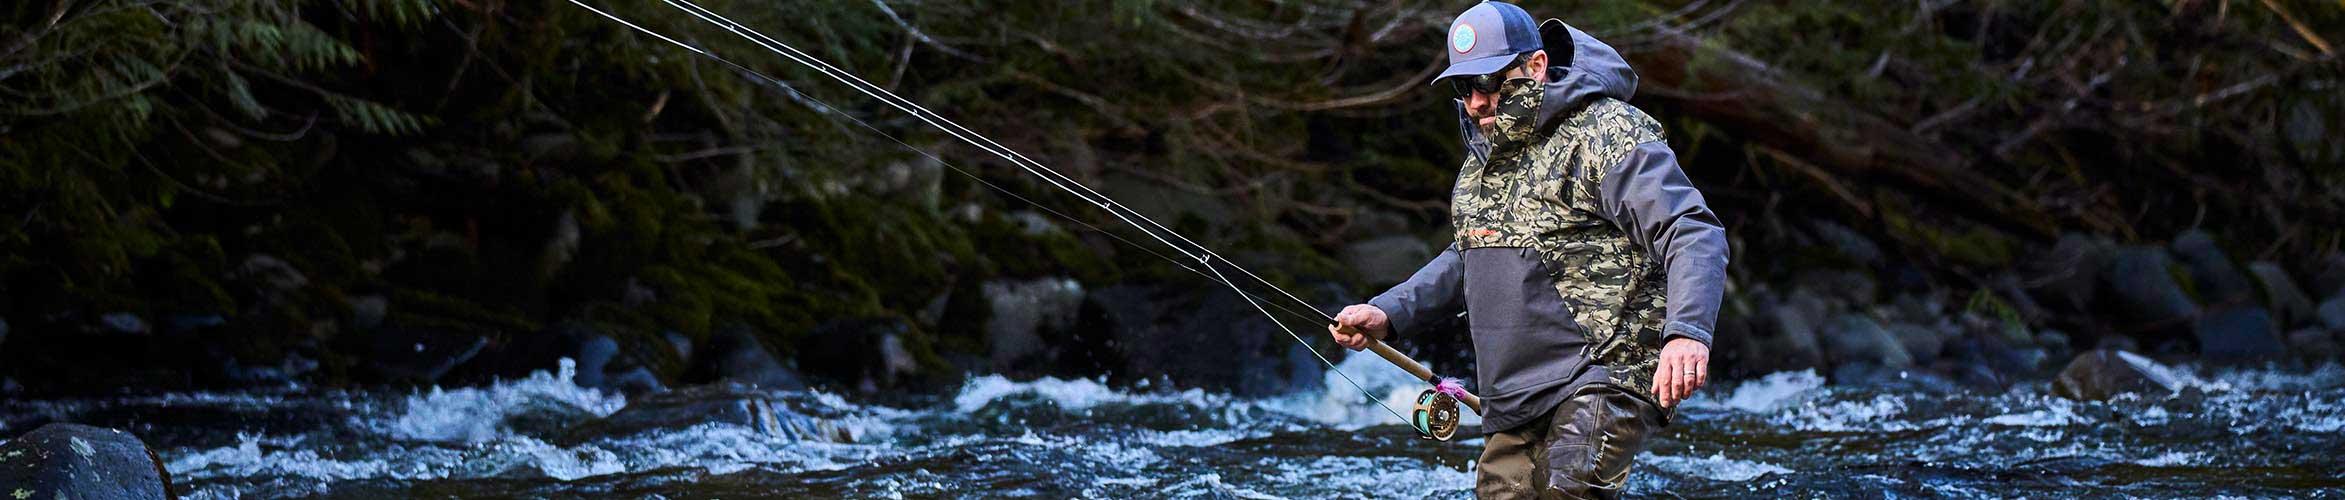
(1462, 39)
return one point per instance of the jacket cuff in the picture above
(1397, 317)
(1681, 329)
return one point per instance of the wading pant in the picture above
(1581, 449)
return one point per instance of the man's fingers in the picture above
(1664, 382)
(1701, 372)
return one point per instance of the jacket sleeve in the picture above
(1437, 289)
(1651, 198)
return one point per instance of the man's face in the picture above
(1483, 106)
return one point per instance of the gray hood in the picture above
(1580, 70)
(1594, 70)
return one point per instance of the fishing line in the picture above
(1117, 209)
(1049, 175)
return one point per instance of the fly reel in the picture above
(1435, 416)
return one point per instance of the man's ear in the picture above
(1537, 64)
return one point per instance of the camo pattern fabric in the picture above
(1544, 197)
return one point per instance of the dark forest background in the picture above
(235, 193)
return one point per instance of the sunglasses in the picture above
(1466, 86)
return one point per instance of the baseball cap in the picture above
(1486, 38)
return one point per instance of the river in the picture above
(2240, 432)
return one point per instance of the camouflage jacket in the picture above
(1577, 256)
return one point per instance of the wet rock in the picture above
(1386, 260)
(1796, 322)
(2238, 333)
(2069, 274)
(62, 460)
(602, 365)
(788, 416)
(2282, 293)
(2099, 374)
(123, 322)
(1024, 314)
(2314, 344)
(367, 311)
(2211, 272)
(1854, 338)
(274, 273)
(2145, 291)
(412, 354)
(2328, 277)
(1199, 338)
(1846, 286)
(1921, 342)
(866, 353)
(1848, 243)
(735, 354)
(2332, 313)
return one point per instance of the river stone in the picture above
(1921, 342)
(2097, 375)
(1846, 286)
(2314, 344)
(1387, 260)
(2328, 277)
(1846, 242)
(1155, 332)
(1025, 313)
(765, 412)
(2211, 272)
(1796, 322)
(62, 460)
(2067, 275)
(1854, 338)
(2282, 293)
(2238, 333)
(865, 353)
(2146, 292)
(734, 354)
(2332, 313)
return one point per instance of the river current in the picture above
(2228, 432)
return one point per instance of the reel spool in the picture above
(1435, 416)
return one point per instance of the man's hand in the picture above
(1356, 324)
(1685, 366)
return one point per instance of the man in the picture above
(1590, 267)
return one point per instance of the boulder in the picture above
(1157, 332)
(2099, 374)
(1797, 321)
(2066, 277)
(1846, 286)
(123, 322)
(1024, 315)
(735, 354)
(2328, 278)
(2211, 271)
(77, 461)
(1387, 260)
(2281, 293)
(2144, 289)
(2332, 313)
(1854, 338)
(865, 353)
(2314, 344)
(419, 354)
(1922, 343)
(368, 311)
(1847, 243)
(2238, 333)
(792, 416)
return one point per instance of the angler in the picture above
(1590, 267)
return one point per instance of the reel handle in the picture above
(1410, 365)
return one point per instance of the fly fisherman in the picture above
(1590, 267)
